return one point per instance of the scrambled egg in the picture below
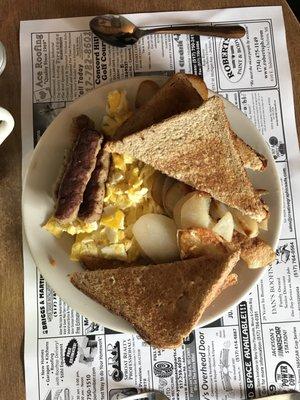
(117, 110)
(127, 198)
(57, 228)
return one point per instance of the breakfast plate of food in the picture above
(152, 205)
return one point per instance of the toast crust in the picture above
(199, 85)
(250, 158)
(93, 263)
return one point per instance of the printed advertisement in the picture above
(253, 350)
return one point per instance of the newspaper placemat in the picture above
(254, 349)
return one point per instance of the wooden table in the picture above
(11, 268)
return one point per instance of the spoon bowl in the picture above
(115, 30)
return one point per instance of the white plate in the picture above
(38, 205)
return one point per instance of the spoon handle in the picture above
(226, 31)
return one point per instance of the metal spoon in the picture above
(120, 32)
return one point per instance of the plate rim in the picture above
(40, 143)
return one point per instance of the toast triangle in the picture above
(180, 93)
(195, 147)
(163, 302)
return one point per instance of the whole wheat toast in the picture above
(93, 263)
(250, 158)
(180, 93)
(231, 280)
(163, 302)
(196, 148)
